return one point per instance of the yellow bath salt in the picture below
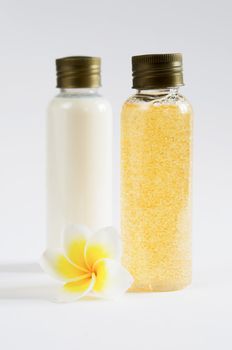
(156, 192)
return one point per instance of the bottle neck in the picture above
(79, 92)
(159, 92)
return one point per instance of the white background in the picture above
(33, 34)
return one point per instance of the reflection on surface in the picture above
(25, 281)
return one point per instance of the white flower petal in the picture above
(75, 291)
(112, 279)
(75, 238)
(105, 243)
(58, 266)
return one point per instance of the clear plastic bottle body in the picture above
(156, 156)
(79, 162)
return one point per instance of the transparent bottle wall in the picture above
(156, 132)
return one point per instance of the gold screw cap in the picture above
(78, 72)
(157, 71)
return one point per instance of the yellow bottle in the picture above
(156, 133)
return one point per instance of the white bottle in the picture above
(79, 150)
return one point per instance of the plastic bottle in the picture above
(79, 150)
(156, 135)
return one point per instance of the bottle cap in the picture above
(78, 72)
(157, 71)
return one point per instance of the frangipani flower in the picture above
(88, 264)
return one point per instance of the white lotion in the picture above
(79, 162)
